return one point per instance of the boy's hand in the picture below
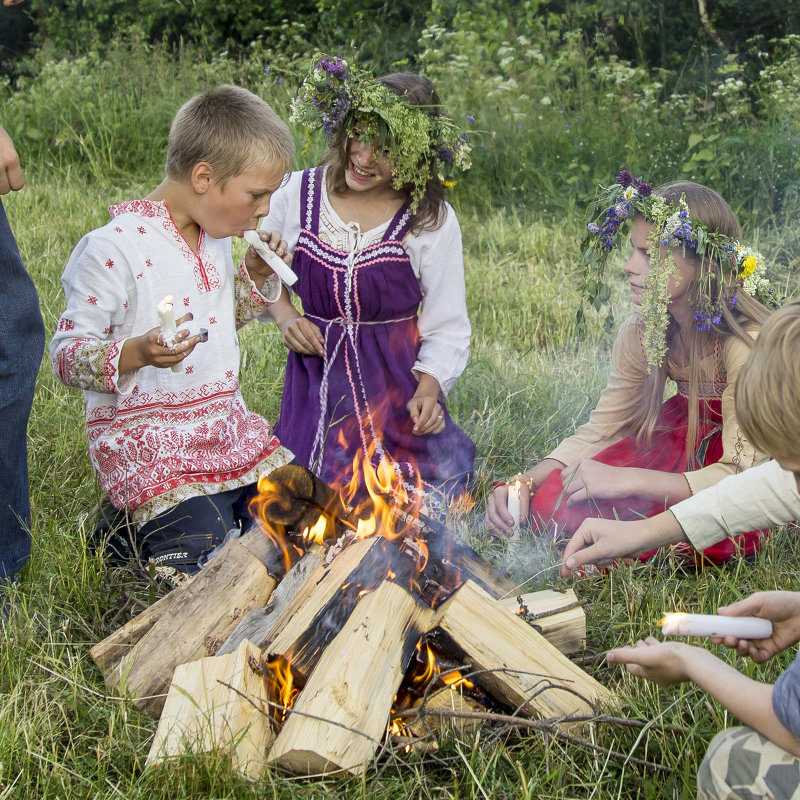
(661, 662)
(782, 608)
(257, 268)
(150, 350)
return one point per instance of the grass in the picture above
(528, 383)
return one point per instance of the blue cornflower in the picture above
(470, 118)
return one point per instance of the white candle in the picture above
(277, 264)
(166, 318)
(514, 504)
(679, 623)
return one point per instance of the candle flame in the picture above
(670, 616)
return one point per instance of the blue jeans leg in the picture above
(21, 346)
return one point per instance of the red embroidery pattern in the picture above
(110, 264)
(212, 320)
(168, 440)
(65, 324)
(186, 302)
(142, 230)
(92, 300)
(148, 262)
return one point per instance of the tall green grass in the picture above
(92, 133)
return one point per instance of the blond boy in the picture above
(170, 437)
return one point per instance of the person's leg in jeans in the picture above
(21, 347)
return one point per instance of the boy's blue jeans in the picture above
(21, 346)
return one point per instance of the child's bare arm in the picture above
(299, 333)
(676, 662)
(600, 541)
(589, 479)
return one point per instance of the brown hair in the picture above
(768, 386)
(418, 91)
(711, 209)
(230, 128)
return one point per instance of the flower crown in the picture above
(336, 95)
(673, 226)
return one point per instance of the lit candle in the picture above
(679, 623)
(514, 504)
(169, 331)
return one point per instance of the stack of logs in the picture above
(304, 673)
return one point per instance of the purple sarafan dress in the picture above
(352, 402)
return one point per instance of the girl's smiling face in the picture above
(366, 167)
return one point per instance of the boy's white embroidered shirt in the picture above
(158, 437)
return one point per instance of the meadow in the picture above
(553, 118)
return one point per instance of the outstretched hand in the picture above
(782, 608)
(600, 541)
(663, 663)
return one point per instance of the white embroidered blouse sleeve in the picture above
(284, 210)
(84, 351)
(764, 496)
(444, 328)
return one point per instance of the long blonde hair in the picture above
(712, 210)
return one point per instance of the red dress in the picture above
(665, 453)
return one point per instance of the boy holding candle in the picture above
(763, 759)
(177, 449)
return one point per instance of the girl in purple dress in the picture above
(377, 251)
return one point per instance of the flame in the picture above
(281, 687)
(316, 533)
(455, 680)
(672, 615)
(430, 667)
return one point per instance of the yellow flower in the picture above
(448, 184)
(748, 267)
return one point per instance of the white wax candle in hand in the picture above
(276, 263)
(169, 331)
(681, 624)
(514, 504)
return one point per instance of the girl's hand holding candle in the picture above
(514, 502)
(681, 624)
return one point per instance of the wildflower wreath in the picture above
(335, 94)
(673, 226)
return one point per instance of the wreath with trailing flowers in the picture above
(673, 227)
(336, 94)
